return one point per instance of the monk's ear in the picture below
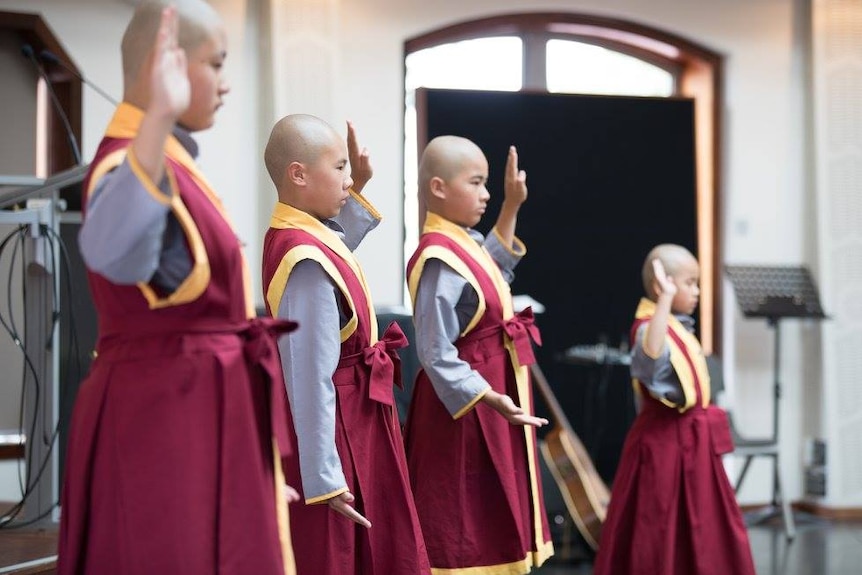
(437, 187)
(295, 173)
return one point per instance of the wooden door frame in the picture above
(66, 83)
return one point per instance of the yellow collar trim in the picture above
(437, 223)
(285, 216)
(126, 123)
(646, 308)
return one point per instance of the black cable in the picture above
(49, 56)
(13, 327)
(55, 316)
(72, 325)
(31, 436)
(10, 328)
(55, 295)
(33, 480)
(19, 235)
(6, 521)
(16, 233)
(13, 512)
(72, 328)
(9, 525)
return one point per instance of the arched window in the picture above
(576, 53)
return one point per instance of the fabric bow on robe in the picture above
(521, 329)
(385, 364)
(261, 350)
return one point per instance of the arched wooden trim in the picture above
(699, 73)
(33, 30)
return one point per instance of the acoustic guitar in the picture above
(582, 488)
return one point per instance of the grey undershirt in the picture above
(128, 236)
(657, 374)
(310, 355)
(445, 304)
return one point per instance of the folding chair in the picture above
(749, 448)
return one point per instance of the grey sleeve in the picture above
(356, 221)
(309, 357)
(438, 321)
(506, 257)
(657, 374)
(121, 237)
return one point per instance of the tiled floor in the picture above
(820, 548)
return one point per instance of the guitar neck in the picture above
(541, 382)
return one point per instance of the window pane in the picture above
(482, 64)
(576, 67)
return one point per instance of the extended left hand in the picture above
(291, 494)
(515, 415)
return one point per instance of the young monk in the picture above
(359, 516)
(176, 440)
(672, 509)
(470, 432)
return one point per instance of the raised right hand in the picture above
(515, 180)
(170, 91)
(663, 283)
(341, 503)
(360, 162)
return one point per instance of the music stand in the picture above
(773, 293)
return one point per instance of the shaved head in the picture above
(197, 21)
(296, 138)
(672, 256)
(443, 158)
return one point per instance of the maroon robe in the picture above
(367, 433)
(672, 509)
(171, 463)
(476, 477)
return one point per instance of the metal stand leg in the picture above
(779, 504)
(742, 474)
(786, 512)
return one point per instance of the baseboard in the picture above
(44, 569)
(11, 445)
(850, 514)
(833, 513)
(11, 451)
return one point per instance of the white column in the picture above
(837, 66)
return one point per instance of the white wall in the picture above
(343, 59)
(837, 26)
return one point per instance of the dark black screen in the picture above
(608, 177)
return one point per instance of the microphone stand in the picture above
(52, 58)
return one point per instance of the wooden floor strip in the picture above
(21, 567)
